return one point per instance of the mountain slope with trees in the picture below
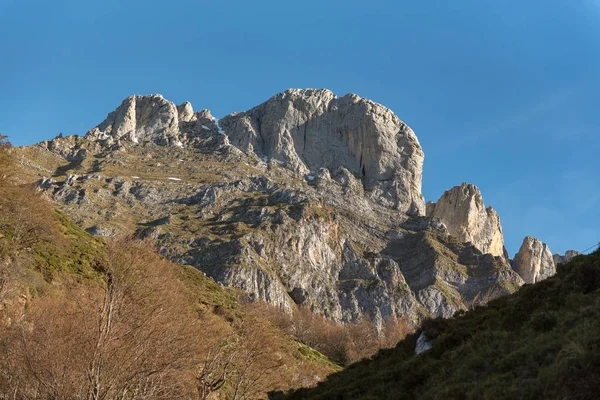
(104, 318)
(82, 317)
(542, 342)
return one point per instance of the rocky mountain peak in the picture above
(153, 119)
(186, 112)
(561, 259)
(140, 118)
(307, 199)
(463, 212)
(534, 261)
(305, 130)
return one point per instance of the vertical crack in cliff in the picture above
(262, 139)
(305, 127)
(361, 166)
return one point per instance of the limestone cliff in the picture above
(142, 119)
(462, 211)
(534, 261)
(305, 200)
(305, 130)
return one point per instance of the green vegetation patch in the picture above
(209, 293)
(75, 253)
(307, 353)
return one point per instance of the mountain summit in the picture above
(306, 130)
(302, 130)
(306, 200)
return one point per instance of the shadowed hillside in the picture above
(539, 343)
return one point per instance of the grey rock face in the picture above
(305, 130)
(143, 119)
(140, 118)
(534, 261)
(302, 130)
(99, 231)
(463, 212)
(185, 113)
(568, 256)
(310, 213)
(422, 344)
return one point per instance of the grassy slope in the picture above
(541, 342)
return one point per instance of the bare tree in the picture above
(5, 155)
(342, 343)
(217, 365)
(257, 360)
(133, 337)
(144, 331)
(139, 333)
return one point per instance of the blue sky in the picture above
(502, 94)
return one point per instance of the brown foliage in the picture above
(145, 329)
(5, 158)
(133, 337)
(342, 343)
(139, 334)
(25, 220)
(253, 354)
(25, 217)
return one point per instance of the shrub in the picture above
(344, 344)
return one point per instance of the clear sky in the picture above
(502, 94)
